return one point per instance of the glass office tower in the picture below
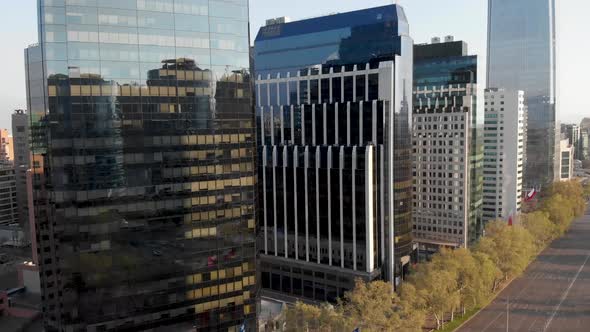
(334, 115)
(143, 158)
(521, 56)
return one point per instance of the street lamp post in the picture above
(507, 313)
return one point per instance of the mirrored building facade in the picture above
(333, 98)
(143, 143)
(522, 56)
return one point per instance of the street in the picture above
(552, 295)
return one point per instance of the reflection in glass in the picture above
(521, 56)
(143, 154)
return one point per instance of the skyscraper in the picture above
(448, 151)
(334, 115)
(142, 130)
(504, 150)
(522, 56)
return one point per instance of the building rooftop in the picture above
(393, 13)
(440, 50)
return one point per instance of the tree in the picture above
(509, 247)
(412, 311)
(560, 211)
(489, 276)
(471, 288)
(573, 193)
(324, 318)
(587, 191)
(568, 189)
(375, 307)
(540, 227)
(437, 289)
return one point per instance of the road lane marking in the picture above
(567, 291)
(526, 278)
(527, 282)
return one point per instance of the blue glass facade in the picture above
(344, 39)
(322, 85)
(521, 56)
(143, 154)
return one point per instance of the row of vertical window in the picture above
(356, 123)
(300, 285)
(308, 90)
(347, 158)
(305, 189)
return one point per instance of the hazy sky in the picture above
(465, 19)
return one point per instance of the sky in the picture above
(464, 19)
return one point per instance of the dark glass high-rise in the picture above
(334, 98)
(143, 157)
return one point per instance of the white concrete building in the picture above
(572, 133)
(504, 153)
(441, 176)
(566, 160)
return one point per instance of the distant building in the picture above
(584, 144)
(572, 133)
(585, 123)
(566, 164)
(6, 147)
(333, 113)
(579, 169)
(448, 156)
(8, 196)
(504, 153)
(22, 160)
